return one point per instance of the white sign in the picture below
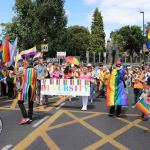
(72, 87)
(61, 54)
(104, 54)
(53, 60)
(44, 48)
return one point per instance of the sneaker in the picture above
(30, 120)
(111, 115)
(23, 121)
(84, 109)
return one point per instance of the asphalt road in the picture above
(62, 125)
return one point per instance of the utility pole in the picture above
(142, 12)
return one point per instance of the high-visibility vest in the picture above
(139, 84)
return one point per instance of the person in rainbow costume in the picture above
(116, 94)
(27, 91)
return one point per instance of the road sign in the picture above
(44, 48)
(61, 55)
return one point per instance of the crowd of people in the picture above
(111, 82)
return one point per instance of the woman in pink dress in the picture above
(86, 76)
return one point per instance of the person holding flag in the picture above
(144, 102)
(116, 95)
(27, 91)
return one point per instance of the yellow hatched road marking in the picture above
(137, 125)
(50, 143)
(105, 113)
(40, 108)
(71, 122)
(37, 132)
(106, 138)
(41, 131)
(114, 135)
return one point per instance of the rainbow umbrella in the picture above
(72, 60)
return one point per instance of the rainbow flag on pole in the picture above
(142, 106)
(29, 52)
(6, 51)
(148, 39)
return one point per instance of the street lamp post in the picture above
(104, 57)
(142, 12)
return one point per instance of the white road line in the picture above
(60, 106)
(6, 147)
(40, 121)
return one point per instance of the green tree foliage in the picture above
(38, 20)
(129, 39)
(97, 37)
(78, 40)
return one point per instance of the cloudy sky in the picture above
(116, 13)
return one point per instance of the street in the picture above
(62, 125)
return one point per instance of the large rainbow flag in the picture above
(142, 106)
(28, 83)
(116, 94)
(148, 39)
(6, 50)
(1, 49)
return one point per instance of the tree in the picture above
(97, 37)
(129, 39)
(78, 40)
(37, 21)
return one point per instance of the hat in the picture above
(118, 63)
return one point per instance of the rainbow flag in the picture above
(1, 50)
(148, 39)
(6, 51)
(143, 106)
(116, 94)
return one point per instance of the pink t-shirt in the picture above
(56, 74)
(85, 77)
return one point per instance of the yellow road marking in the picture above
(14, 104)
(71, 122)
(114, 135)
(40, 108)
(36, 133)
(125, 128)
(97, 132)
(5, 101)
(8, 108)
(41, 131)
(15, 101)
(50, 143)
(137, 125)
(105, 113)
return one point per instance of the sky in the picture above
(116, 13)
